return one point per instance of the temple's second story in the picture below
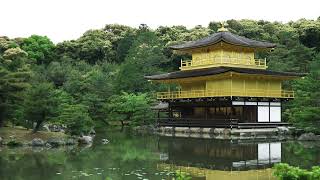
(223, 49)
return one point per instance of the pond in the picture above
(129, 155)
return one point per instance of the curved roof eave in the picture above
(226, 37)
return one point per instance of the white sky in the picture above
(68, 19)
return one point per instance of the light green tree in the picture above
(129, 108)
(40, 49)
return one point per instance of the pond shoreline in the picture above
(19, 137)
(263, 134)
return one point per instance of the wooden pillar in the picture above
(243, 112)
(206, 111)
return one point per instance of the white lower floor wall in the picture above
(269, 112)
(266, 111)
(275, 114)
(263, 113)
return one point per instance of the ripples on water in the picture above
(137, 156)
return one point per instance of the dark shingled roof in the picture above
(218, 70)
(225, 37)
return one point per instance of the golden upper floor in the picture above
(224, 82)
(227, 85)
(224, 65)
(223, 49)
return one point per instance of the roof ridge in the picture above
(227, 37)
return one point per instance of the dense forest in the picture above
(98, 78)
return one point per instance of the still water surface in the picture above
(142, 156)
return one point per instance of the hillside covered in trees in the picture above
(99, 77)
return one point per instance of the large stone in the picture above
(37, 142)
(226, 131)
(195, 130)
(206, 135)
(85, 140)
(245, 134)
(92, 132)
(218, 130)
(179, 134)
(309, 137)
(105, 141)
(168, 129)
(182, 129)
(45, 128)
(195, 135)
(207, 130)
(55, 142)
(70, 142)
(283, 130)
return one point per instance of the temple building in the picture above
(223, 85)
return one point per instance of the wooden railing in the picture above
(224, 61)
(224, 93)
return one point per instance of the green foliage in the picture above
(14, 143)
(39, 48)
(286, 172)
(94, 46)
(180, 175)
(131, 108)
(144, 58)
(58, 72)
(40, 104)
(14, 73)
(92, 71)
(76, 118)
(307, 92)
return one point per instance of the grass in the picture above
(22, 134)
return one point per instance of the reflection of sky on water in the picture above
(268, 154)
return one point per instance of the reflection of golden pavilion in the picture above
(219, 154)
(208, 174)
(224, 84)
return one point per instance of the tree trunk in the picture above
(1, 117)
(39, 122)
(35, 129)
(122, 123)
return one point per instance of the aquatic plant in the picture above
(180, 175)
(286, 172)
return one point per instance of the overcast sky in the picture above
(68, 19)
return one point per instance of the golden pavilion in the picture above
(223, 85)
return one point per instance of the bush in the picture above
(286, 172)
(179, 175)
(14, 143)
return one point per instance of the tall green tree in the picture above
(41, 104)
(304, 110)
(145, 57)
(15, 75)
(76, 118)
(129, 108)
(40, 49)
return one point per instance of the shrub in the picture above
(286, 172)
(179, 175)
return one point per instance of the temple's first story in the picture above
(221, 112)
